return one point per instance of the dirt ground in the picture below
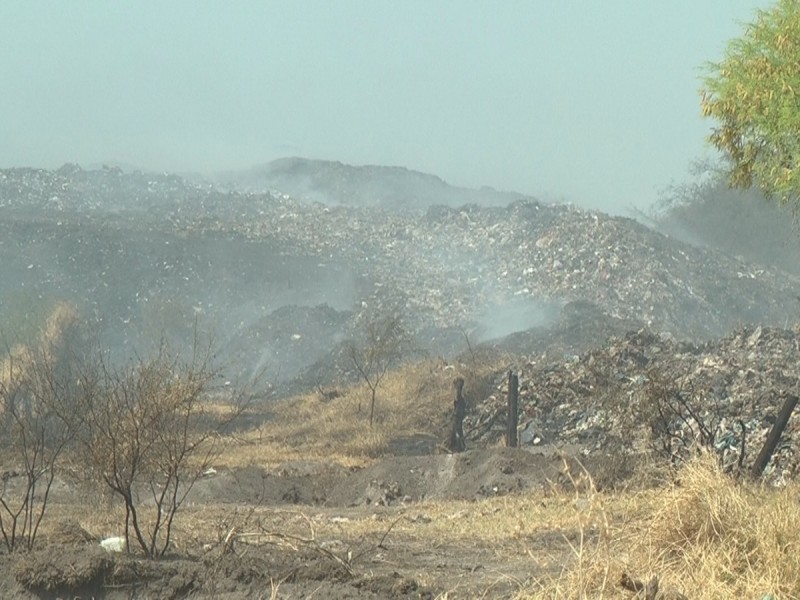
(399, 528)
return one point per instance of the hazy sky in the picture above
(592, 101)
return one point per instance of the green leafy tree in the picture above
(754, 95)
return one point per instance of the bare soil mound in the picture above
(472, 475)
(302, 482)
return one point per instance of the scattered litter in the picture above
(114, 544)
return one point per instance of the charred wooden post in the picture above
(457, 441)
(513, 410)
(774, 436)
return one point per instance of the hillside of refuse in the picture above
(284, 281)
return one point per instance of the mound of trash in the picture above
(648, 392)
(148, 254)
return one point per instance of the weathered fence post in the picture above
(774, 436)
(457, 441)
(513, 411)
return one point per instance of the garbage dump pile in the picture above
(106, 192)
(332, 182)
(446, 268)
(448, 264)
(645, 392)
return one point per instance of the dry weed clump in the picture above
(726, 539)
(592, 566)
(18, 359)
(705, 536)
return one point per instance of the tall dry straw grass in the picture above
(415, 399)
(706, 536)
(725, 539)
(310, 427)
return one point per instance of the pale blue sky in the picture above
(593, 101)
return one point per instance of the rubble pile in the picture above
(447, 264)
(292, 337)
(157, 250)
(605, 400)
(107, 191)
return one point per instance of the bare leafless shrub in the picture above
(35, 379)
(678, 417)
(144, 433)
(383, 344)
(705, 210)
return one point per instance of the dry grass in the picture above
(725, 540)
(706, 536)
(415, 399)
(18, 360)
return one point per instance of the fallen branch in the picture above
(295, 542)
(292, 542)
